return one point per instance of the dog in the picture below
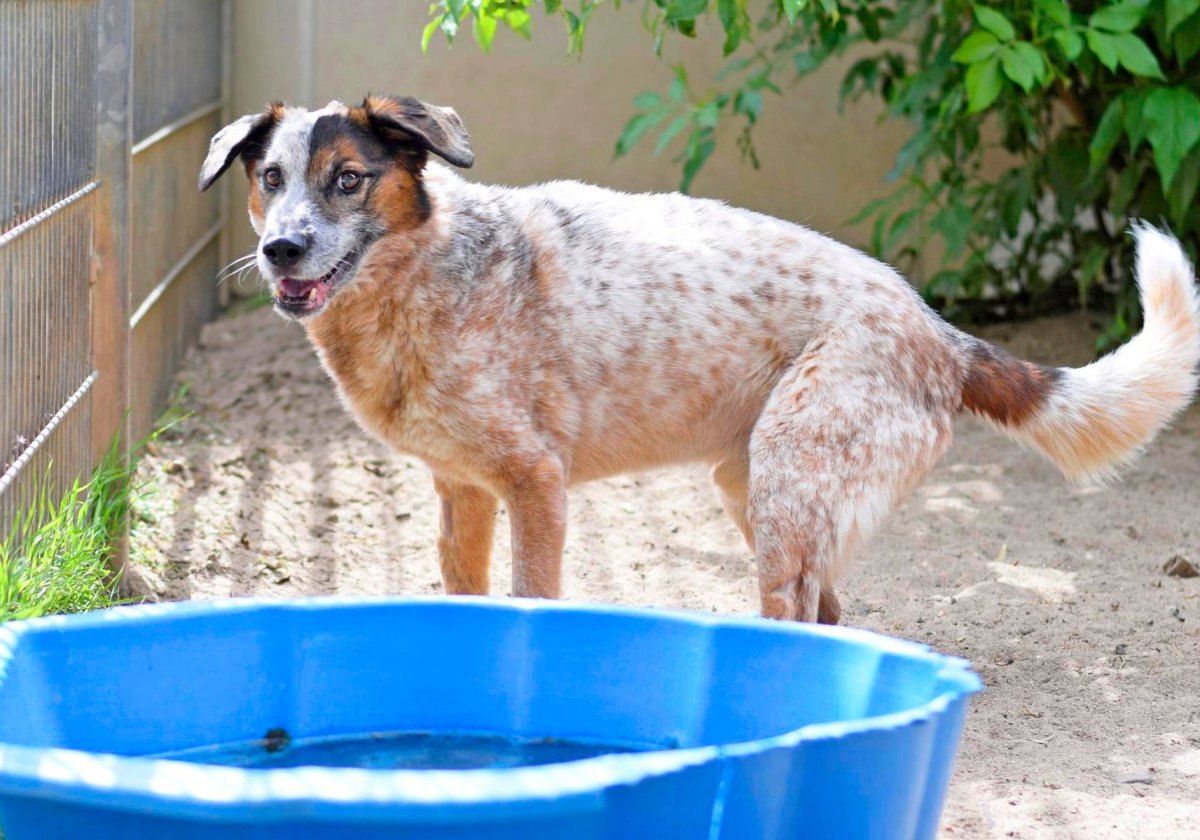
(521, 340)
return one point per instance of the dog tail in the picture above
(1091, 420)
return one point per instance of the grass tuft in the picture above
(55, 558)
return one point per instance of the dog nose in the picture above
(285, 250)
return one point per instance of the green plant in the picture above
(1040, 128)
(55, 558)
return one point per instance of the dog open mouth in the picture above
(297, 296)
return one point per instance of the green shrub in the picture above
(1093, 105)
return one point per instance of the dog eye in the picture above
(348, 181)
(272, 177)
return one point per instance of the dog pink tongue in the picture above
(297, 288)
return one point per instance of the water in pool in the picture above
(398, 751)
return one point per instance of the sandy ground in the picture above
(1090, 724)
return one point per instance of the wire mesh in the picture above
(177, 60)
(47, 87)
(52, 209)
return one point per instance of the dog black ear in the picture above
(430, 127)
(246, 136)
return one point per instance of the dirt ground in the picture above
(1090, 723)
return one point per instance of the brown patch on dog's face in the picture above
(325, 186)
(337, 186)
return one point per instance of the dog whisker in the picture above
(236, 265)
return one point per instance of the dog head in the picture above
(326, 185)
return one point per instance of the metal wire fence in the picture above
(107, 252)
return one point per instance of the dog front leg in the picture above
(465, 541)
(537, 506)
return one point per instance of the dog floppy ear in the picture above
(430, 127)
(243, 136)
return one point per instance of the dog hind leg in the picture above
(731, 477)
(841, 440)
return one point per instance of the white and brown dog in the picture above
(522, 340)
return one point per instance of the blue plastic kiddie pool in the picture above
(467, 718)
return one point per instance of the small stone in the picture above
(1177, 614)
(173, 467)
(1120, 650)
(1180, 567)
(1140, 778)
(403, 517)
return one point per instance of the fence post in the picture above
(110, 268)
(225, 246)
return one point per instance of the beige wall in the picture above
(535, 114)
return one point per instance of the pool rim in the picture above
(179, 789)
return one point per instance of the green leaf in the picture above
(791, 10)
(1127, 49)
(984, 84)
(1055, 10)
(638, 125)
(727, 13)
(1173, 128)
(576, 26)
(1090, 269)
(734, 21)
(807, 61)
(1070, 42)
(1103, 48)
(1187, 39)
(899, 227)
(519, 21)
(1108, 132)
(762, 81)
(1136, 57)
(485, 31)
(708, 114)
(1183, 190)
(976, 47)
(749, 103)
(427, 35)
(677, 92)
(1016, 188)
(700, 146)
(646, 100)
(1018, 68)
(954, 223)
(1178, 11)
(1135, 123)
(681, 10)
(1036, 59)
(1122, 17)
(995, 22)
(671, 132)
(552, 6)
(911, 154)
(874, 206)
(1125, 189)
